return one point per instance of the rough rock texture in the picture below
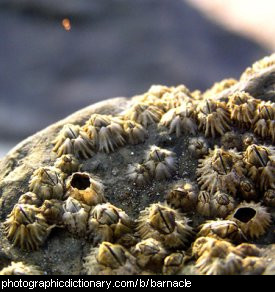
(63, 253)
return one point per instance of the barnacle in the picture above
(108, 223)
(75, 216)
(173, 263)
(73, 140)
(161, 163)
(205, 244)
(261, 165)
(221, 229)
(67, 164)
(105, 132)
(219, 87)
(248, 139)
(183, 195)
(221, 170)
(164, 224)
(242, 107)
(180, 120)
(110, 259)
(247, 189)
(204, 203)
(198, 147)
(134, 132)
(222, 204)
(26, 227)
(144, 114)
(149, 254)
(231, 140)
(30, 198)
(20, 268)
(253, 266)
(84, 188)
(269, 198)
(247, 250)
(52, 210)
(47, 183)
(138, 174)
(253, 219)
(213, 117)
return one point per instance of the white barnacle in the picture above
(134, 132)
(138, 174)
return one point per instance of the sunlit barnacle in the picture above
(248, 139)
(105, 132)
(253, 266)
(138, 174)
(204, 203)
(222, 204)
(135, 133)
(223, 264)
(219, 87)
(52, 210)
(108, 223)
(30, 198)
(75, 216)
(82, 187)
(47, 183)
(247, 189)
(144, 114)
(180, 120)
(164, 224)
(183, 195)
(110, 259)
(231, 140)
(149, 254)
(269, 198)
(161, 163)
(247, 250)
(221, 170)
(20, 268)
(266, 62)
(205, 244)
(261, 128)
(253, 219)
(67, 164)
(159, 90)
(261, 165)
(222, 230)
(26, 227)
(266, 110)
(176, 98)
(173, 263)
(242, 107)
(198, 147)
(73, 140)
(213, 117)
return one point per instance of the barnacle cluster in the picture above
(212, 215)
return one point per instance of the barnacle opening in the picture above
(80, 181)
(245, 214)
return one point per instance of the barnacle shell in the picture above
(222, 204)
(231, 140)
(30, 198)
(84, 188)
(73, 140)
(221, 229)
(26, 227)
(173, 263)
(198, 146)
(204, 203)
(269, 198)
(20, 268)
(221, 170)
(110, 259)
(205, 244)
(247, 189)
(164, 224)
(67, 164)
(52, 210)
(252, 218)
(106, 132)
(248, 139)
(149, 254)
(108, 223)
(183, 195)
(253, 266)
(144, 114)
(134, 132)
(138, 174)
(75, 216)
(180, 120)
(161, 163)
(47, 183)
(213, 117)
(247, 250)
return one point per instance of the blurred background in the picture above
(57, 56)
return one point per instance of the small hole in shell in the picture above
(80, 181)
(245, 214)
